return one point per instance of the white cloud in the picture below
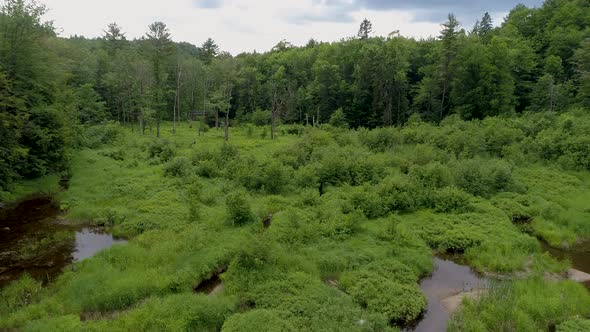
(236, 25)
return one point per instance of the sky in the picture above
(247, 25)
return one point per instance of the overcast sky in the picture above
(247, 25)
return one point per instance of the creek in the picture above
(36, 240)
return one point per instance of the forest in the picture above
(306, 188)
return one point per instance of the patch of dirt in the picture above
(578, 276)
(454, 302)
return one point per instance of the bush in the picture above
(338, 120)
(258, 320)
(260, 117)
(99, 135)
(20, 293)
(238, 208)
(482, 178)
(178, 167)
(574, 325)
(450, 199)
(400, 194)
(399, 303)
(161, 150)
(432, 175)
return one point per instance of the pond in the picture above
(444, 290)
(34, 239)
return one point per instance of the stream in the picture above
(443, 291)
(34, 239)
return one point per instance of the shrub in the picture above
(19, 293)
(381, 139)
(400, 194)
(259, 320)
(260, 117)
(432, 175)
(574, 325)
(178, 167)
(482, 178)
(450, 199)
(96, 136)
(238, 208)
(400, 303)
(338, 120)
(161, 150)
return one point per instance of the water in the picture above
(35, 240)
(579, 256)
(448, 279)
(89, 242)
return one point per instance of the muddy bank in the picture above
(212, 285)
(449, 283)
(34, 239)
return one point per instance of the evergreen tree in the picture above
(365, 29)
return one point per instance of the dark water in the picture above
(449, 278)
(35, 240)
(579, 256)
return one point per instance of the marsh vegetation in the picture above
(371, 184)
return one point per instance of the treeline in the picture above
(537, 60)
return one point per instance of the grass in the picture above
(354, 217)
(47, 185)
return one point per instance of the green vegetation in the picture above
(341, 168)
(530, 305)
(353, 215)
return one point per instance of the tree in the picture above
(582, 59)
(279, 98)
(209, 50)
(160, 48)
(338, 119)
(33, 133)
(115, 38)
(449, 35)
(365, 29)
(486, 25)
(90, 108)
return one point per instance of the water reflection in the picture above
(89, 242)
(34, 240)
(449, 278)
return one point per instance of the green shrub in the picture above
(338, 120)
(161, 150)
(20, 293)
(527, 305)
(482, 178)
(400, 194)
(238, 208)
(259, 320)
(99, 135)
(451, 199)
(381, 139)
(400, 303)
(574, 325)
(432, 175)
(178, 167)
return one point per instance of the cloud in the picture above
(208, 4)
(437, 10)
(423, 10)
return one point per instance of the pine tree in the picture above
(365, 29)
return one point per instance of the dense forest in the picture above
(316, 187)
(537, 60)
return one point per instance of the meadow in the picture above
(321, 229)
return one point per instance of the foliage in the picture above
(238, 208)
